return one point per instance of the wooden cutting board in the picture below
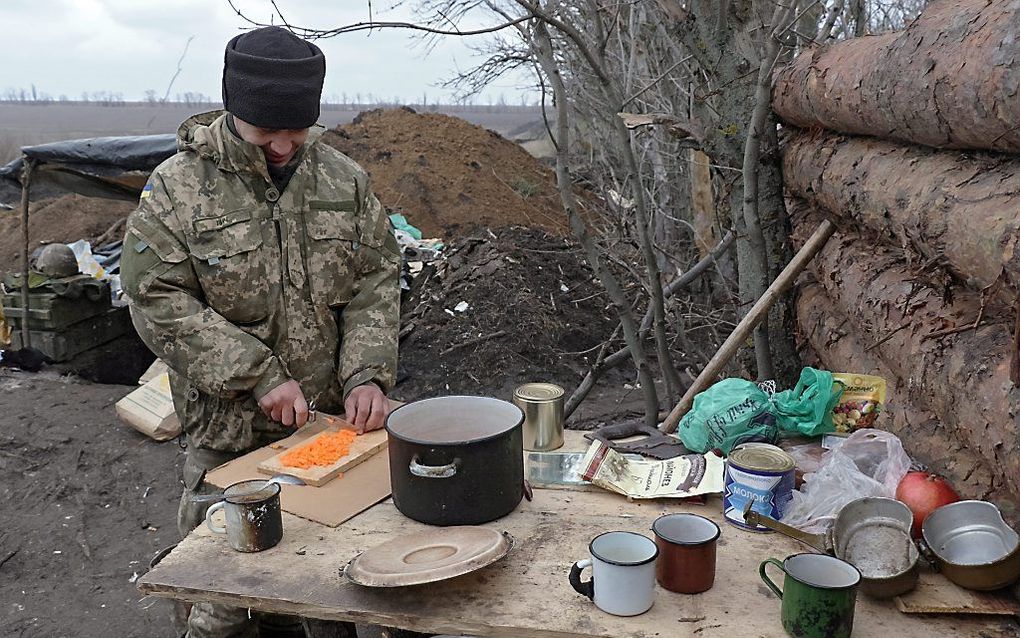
(364, 447)
(936, 594)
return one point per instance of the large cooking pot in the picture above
(456, 460)
(971, 544)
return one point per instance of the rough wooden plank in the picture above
(937, 595)
(362, 448)
(525, 595)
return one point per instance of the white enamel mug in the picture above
(623, 573)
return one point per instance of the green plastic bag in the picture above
(807, 408)
(731, 412)
(400, 223)
(735, 411)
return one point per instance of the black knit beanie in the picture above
(273, 79)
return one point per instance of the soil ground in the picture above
(64, 219)
(87, 503)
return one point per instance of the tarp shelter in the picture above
(112, 167)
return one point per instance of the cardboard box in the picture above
(157, 368)
(150, 409)
(331, 504)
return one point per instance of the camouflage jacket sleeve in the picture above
(371, 321)
(167, 309)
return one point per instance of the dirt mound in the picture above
(64, 219)
(534, 313)
(446, 174)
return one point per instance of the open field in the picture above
(25, 124)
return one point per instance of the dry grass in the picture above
(12, 141)
(9, 148)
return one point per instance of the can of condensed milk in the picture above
(542, 404)
(762, 474)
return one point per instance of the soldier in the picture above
(263, 271)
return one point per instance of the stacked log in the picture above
(942, 204)
(950, 80)
(920, 282)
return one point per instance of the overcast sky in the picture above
(66, 47)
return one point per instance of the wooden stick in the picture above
(108, 233)
(754, 316)
(472, 342)
(26, 185)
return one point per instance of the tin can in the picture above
(542, 404)
(760, 473)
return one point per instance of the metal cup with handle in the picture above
(623, 573)
(253, 519)
(819, 594)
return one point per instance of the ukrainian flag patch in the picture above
(146, 191)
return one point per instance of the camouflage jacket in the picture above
(239, 287)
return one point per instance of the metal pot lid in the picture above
(429, 556)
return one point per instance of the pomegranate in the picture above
(923, 493)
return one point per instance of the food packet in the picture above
(861, 402)
(680, 477)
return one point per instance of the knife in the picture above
(331, 420)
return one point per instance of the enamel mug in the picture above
(687, 543)
(623, 573)
(252, 511)
(819, 594)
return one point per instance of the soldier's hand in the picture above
(286, 404)
(366, 407)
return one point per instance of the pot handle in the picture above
(433, 471)
(928, 554)
(815, 541)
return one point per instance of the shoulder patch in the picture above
(147, 191)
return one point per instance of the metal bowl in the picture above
(972, 545)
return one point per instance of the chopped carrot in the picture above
(327, 449)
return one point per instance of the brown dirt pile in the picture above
(446, 174)
(64, 219)
(535, 313)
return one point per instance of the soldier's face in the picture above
(279, 145)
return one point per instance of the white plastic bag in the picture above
(87, 263)
(869, 463)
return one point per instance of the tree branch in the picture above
(621, 355)
(679, 127)
(752, 148)
(309, 33)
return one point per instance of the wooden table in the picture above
(524, 595)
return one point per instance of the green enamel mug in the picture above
(819, 593)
